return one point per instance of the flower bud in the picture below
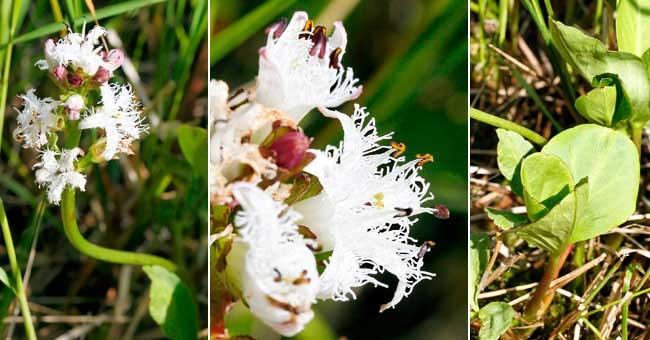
(60, 73)
(75, 80)
(73, 106)
(102, 75)
(115, 57)
(290, 149)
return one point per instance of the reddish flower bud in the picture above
(441, 212)
(102, 75)
(75, 79)
(289, 150)
(60, 73)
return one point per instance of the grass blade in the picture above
(245, 27)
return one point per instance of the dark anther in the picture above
(404, 212)
(335, 58)
(309, 25)
(302, 279)
(320, 42)
(279, 28)
(441, 212)
(425, 248)
(278, 278)
(317, 248)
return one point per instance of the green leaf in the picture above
(553, 231)
(633, 26)
(479, 257)
(511, 150)
(598, 105)
(194, 144)
(496, 318)
(4, 278)
(171, 304)
(611, 162)
(505, 220)
(590, 58)
(546, 180)
(624, 108)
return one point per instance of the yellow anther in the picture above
(399, 148)
(424, 159)
(309, 25)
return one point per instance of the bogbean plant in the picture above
(93, 120)
(584, 181)
(292, 224)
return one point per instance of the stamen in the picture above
(400, 148)
(279, 28)
(302, 279)
(425, 248)
(320, 42)
(278, 278)
(424, 159)
(282, 305)
(334, 58)
(404, 212)
(309, 25)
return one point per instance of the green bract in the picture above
(582, 184)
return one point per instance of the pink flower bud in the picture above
(75, 79)
(103, 54)
(73, 105)
(115, 57)
(102, 75)
(60, 73)
(290, 149)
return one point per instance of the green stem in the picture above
(105, 254)
(15, 270)
(508, 125)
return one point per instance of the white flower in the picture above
(234, 138)
(35, 120)
(365, 211)
(73, 105)
(119, 117)
(275, 269)
(300, 68)
(78, 51)
(59, 174)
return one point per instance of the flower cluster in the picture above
(79, 65)
(352, 204)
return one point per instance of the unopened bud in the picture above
(290, 149)
(102, 75)
(115, 58)
(441, 212)
(75, 79)
(73, 106)
(60, 73)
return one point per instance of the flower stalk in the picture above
(101, 253)
(508, 125)
(15, 271)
